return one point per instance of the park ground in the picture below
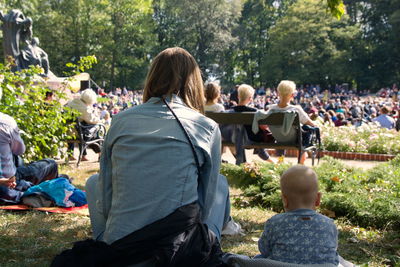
(34, 238)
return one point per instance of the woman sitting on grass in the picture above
(159, 181)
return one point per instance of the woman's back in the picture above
(153, 167)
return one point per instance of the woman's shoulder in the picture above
(151, 110)
(198, 118)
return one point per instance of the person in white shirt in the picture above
(286, 91)
(212, 94)
(385, 120)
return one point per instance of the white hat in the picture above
(89, 96)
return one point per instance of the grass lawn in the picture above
(34, 238)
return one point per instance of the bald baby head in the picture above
(299, 186)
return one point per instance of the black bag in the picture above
(89, 131)
(310, 136)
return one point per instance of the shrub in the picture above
(45, 127)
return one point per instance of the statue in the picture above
(18, 28)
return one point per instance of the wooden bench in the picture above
(276, 119)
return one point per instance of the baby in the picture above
(300, 235)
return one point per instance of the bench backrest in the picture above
(246, 118)
(293, 138)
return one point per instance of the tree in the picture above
(379, 64)
(119, 32)
(202, 27)
(129, 41)
(310, 46)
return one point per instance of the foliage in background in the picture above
(45, 126)
(119, 32)
(234, 41)
(368, 138)
(336, 8)
(368, 198)
(84, 64)
(203, 27)
(318, 50)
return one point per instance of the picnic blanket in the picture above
(83, 210)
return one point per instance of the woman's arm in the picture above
(310, 123)
(208, 179)
(17, 144)
(304, 118)
(105, 177)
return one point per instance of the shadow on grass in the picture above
(33, 238)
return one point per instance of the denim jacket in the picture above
(147, 167)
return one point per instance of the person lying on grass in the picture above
(300, 235)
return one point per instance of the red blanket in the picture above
(83, 210)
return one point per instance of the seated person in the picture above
(384, 119)
(15, 180)
(245, 94)
(300, 235)
(150, 172)
(88, 116)
(286, 91)
(213, 94)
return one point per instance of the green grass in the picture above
(34, 238)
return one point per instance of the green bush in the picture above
(365, 197)
(45, 127)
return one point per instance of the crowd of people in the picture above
(339, 106)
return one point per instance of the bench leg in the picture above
(313, 154)
(299, 156)
(82, 148)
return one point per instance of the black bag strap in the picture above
(186, 134)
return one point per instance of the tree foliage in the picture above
(316, 50)
(234, 41)
(202, 27)
(45, 126)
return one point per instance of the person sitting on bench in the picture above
(246, 93)
(286, 92)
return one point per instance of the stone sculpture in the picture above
(19, 44)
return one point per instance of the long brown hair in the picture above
(175, 71)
